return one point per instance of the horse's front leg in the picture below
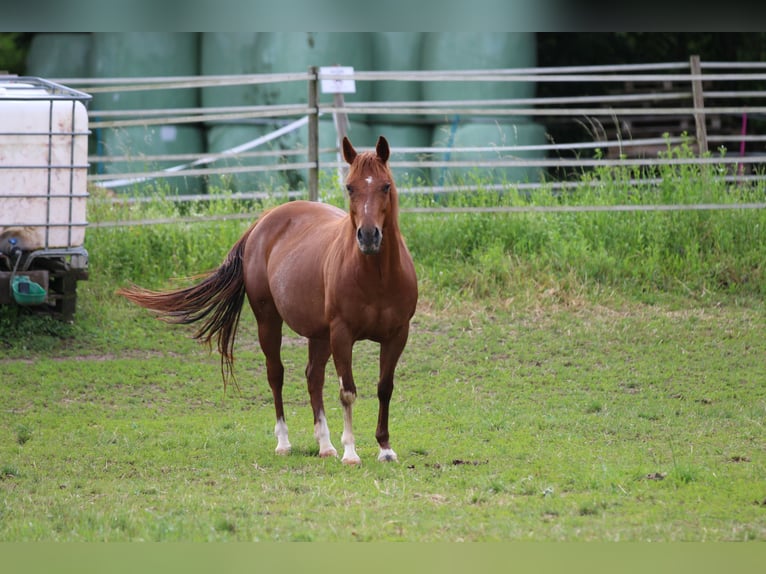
(342, 344)
(319, 353)
(390, 351)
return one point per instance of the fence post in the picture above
(699, 105)
(313, 143)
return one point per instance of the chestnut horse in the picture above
(334, 277)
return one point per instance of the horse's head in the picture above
(371, 193)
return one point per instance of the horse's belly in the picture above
(298, 294)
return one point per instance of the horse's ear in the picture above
(382, 149)
(349, 153)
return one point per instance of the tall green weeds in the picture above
(684, 251)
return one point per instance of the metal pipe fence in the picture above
(606, 116)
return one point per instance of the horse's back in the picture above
(301, 213)
(281, 229)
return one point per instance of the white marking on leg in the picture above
(347, 438)
(322, 434)
(347, 399)
(387, 455)
(283, 443)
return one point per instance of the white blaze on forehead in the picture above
(368, 179)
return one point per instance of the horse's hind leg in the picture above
(270, 338)
(319, 354)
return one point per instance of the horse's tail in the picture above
(216, 301)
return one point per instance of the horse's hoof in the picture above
(330, 452)
(387, 455)
(351, 461)
(283, 450)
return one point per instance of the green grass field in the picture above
(569, 377)
(617, 421)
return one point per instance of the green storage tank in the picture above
(396, 52)
(58, 55)
(400, 51)
(270, 53)
(225, 53)
(223, 137)
(284, 52)
(480, 51)
(146, 54)
(281, 52)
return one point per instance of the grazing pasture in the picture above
(569, 377)
(577, 421)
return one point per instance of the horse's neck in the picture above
(393, 238)
(390, 256)
(391, 233)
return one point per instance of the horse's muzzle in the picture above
(369, 239)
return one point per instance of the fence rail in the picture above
(628, 112)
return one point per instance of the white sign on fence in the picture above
(340, 82)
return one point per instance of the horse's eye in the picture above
(349, 189)
(386, 187)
